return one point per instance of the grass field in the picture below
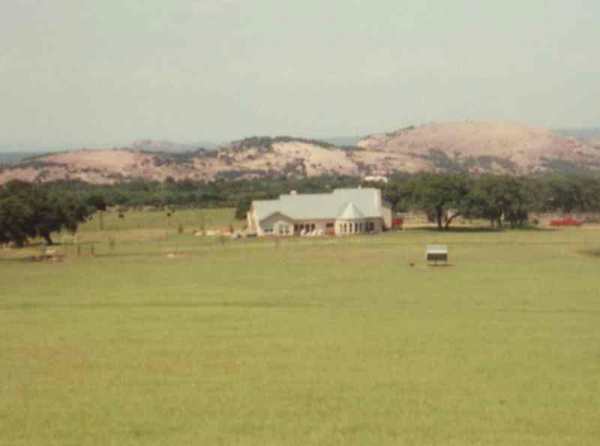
(168, 339)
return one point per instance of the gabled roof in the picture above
(356, 203)
(350, 212)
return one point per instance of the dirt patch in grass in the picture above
(57, 363)
(591, 253)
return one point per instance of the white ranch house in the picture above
(341, 212)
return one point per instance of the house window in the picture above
(283, 229)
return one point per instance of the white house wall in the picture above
(387, 217)
(266, 227)
(342, 227)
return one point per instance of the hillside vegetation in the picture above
(476, 147)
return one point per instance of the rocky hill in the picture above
(466, 146)
(481, 147)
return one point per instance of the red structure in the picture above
(397, 223)
(565, 222)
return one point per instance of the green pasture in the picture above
(190, 219)
(163, 338)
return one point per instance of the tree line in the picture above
(499, 199)
(35, 210)
(30, 211)
(194, 194)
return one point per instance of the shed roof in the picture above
(339, 204)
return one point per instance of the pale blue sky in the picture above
(111, 71)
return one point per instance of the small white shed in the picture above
(436, 253)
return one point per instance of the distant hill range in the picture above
(151, 145)
(10, 158)
(585, 134)
(476, 147)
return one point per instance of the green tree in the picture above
(97, 201)
(442, 196)
(242, 208)
(397, 194)
(570, 193)
(563, 194)
(501, 199)
(28, 211)
(58, 213)
(15, 218)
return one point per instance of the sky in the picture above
(99, 73)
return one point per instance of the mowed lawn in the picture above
(181, 340)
